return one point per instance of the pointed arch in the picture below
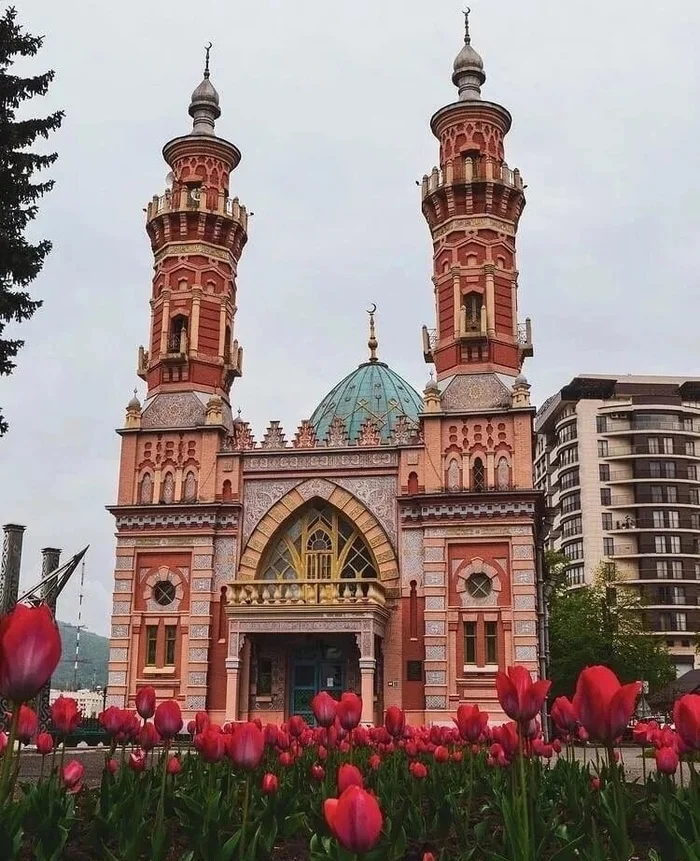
(361, 519)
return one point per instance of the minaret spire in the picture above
(204, 105)
(208, 48)
(468, 75)
(373, 343)
(467, 36)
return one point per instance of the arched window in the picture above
(227, 344)
(227, 494)
(473, 303)
(168, 491)
(503, 474)
(189, 493)
(320, 544)
(146, 489)
(453, 476)
(177, 339)
(413, 611)
(412, 482)
(478, 475)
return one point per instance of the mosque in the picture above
(391, 545)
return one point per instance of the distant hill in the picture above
(92, 666)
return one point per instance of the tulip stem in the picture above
(164, 776)
(246, 800)
(9, 751)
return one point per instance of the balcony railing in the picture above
(314, 593)
(187, 200)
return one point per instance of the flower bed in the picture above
(342, 791)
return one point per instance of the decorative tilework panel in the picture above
(201, 584)
(434, 602)
(120, 631)
(522, 551)
(524, 578)
(378, 494)
(224, 561)
(435, 677)
(124, 563)
(524, 602)
(434, 578)
(435, 653)
(200, 608)
(434, 629)
(198, 654)
(197, 679)
(117, 654)
(122, 586)
(116, 678)
(525, 653)
(199, 632)
(525, 629)
(114, 700)
(201, 563)
(121, 608)
(435, 702)
(196, 703)
(434, 554)
(411, 556)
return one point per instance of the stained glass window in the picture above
(319, 544)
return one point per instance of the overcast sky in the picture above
(329, 103)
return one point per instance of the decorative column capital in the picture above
(233, 665)
(368, 665)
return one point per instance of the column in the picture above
(457, 299)
(232, 668)
(490, 271)
(194, 326)
(367, 668)
(244, 686)
(165, 323)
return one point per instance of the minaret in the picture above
(197, 234)
(472, 203)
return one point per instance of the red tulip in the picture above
(640, 733)
(246, 746)
(148, 737)
(471, 722)
(72, 776)
(44, 743)
(168, 719)
(146, 702)
(686, 716)
(137, 762)
(564, 715)
(4, 741)
(604, 707)
(174, 765)
(112, 766)
(355, 819)
(349, 775)
(211, 745)
(324, 707)
(317, 772)
(349, 710)
(595, 783)
(428, 856)
(28, 724)
(375, 761)
(296, 725)
(418, 770)
(666, 760)
(520, 698)
(65, 715)
(395, 721)
(111, 720)
(441, 754)
(285, 759)
(556, 746)
(457, 756)
(270, 784)
(506, 736)
(30, 649)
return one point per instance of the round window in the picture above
(164, 593)
(479, 585)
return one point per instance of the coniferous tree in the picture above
(20, 260)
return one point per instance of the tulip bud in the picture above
(441, 754)
(270, 784)
(666, 760)
(146, 702)
(112, 766)
(72, 776)
(168, 719)
(317, 772)
(375, 761)
(137, 762)
(44, 743)
(595, 783)
(349, 775)
(174, 765)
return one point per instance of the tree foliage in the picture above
(603, 624)
(20, 260)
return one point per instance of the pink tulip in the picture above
(395, 721)
(317, 772)
(564, 715)
(44, 743)
(30, 649)
(355, 819)
(137, 762)
(686, 716)
(148, 737)
(112, 766)
(471, 722)
(211, 745)
(28, 724)
(72, 776)
(270, 784)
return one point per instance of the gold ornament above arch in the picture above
(293, 502)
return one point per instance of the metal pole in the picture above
(11, 563)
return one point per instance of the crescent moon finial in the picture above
(373, 309)
(207, 48)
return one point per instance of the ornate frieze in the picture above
(475, 531)
(117, 654)
(434, 602)
(121, 608)
(201, 562)
(435, 677)
(474, 222)
(434, 578)
(164, 541)
(224, 560)
(120, 632)
(173, 410)
(196, 703)
(318, 460)
(464, 510)
(198, 654)
(202, 584)
(475, 392)
(525, 653)
(197, 679)
(122, 586)
(200, 608)
(525, 628)
(524, 602)
(524, 578)
(259, 497)
(523, 551)
(116, 678)
(434, 629)
(177, 520)
(435, 653)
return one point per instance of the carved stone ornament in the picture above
(258, 499)
(475, 392)
(274, 437)
(379, 495)
(174, 411)
(337, 436)
(369, 434)
(305, 436)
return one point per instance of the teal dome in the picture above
(372, 391)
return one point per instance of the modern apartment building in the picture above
(619, 460)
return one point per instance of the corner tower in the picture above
(197, 234)
(472, 203)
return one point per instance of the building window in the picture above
(692, 495)
(491, 638)
(661, 570)
(676, 569)
(601, 424)
(478, 475)
(569, 455)
(571, 503)
(264, 685)
(608, 546)
(177, 340)
(681, 620)
(674, 544)
(605, 496)
(672, 494)
(146, 490)
(658, 519)
(670, 469)
(572, 527)
(151, 645)
(653, 445)
(602, 448)
(414, 671)
(607, 520)
(567, 433)
(470, 642)
(574, 550)
(673, 519)
(190, 489)
(667, 444)
(479, 585)
(695, 521)
(575, 576)
(657, 493)
(659, 544)
(690, 447)
(168, 491)
(569, 479)
(503, 474)
(692, 472)
(164, 593)
(604, 471)
(655, 468)
(170, 637)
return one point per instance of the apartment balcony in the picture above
(283, 595)
(621, 501)
(620, 452)
(658, 602)
(637, 425)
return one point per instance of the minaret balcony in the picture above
(283, 594)
(471, 170)
(198, 200)
(525, 338)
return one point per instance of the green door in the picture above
(311, 674)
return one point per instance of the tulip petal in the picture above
(507, 695)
